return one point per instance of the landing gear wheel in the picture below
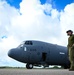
(29, 66)
(66, 66)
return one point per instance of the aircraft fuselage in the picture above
(40, 53)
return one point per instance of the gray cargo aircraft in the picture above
(36, 53)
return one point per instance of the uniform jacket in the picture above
(70, 41)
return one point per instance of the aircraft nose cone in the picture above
(15, 54)
(11, 53)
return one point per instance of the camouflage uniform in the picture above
(71, 51)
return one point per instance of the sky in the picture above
(44, 20)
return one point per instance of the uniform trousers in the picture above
(71, 57)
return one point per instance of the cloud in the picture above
(6, 15)
(32, 21)
(66, 21)
(67, 17)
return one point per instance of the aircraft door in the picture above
(44, 56)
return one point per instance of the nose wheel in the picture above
(29, 66)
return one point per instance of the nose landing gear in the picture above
(29, 66)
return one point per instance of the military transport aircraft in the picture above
(36, 53)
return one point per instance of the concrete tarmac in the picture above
(35, 72)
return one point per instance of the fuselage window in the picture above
(25, 49)
(28, 43)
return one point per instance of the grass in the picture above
(8, 67)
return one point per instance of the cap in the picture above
(69, 31)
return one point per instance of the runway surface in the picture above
(35, 72)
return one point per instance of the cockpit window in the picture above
(21, 45)
(28, 43)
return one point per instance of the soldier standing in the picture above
(71, 49)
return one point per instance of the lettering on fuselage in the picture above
(61, 53)
(33, 50)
